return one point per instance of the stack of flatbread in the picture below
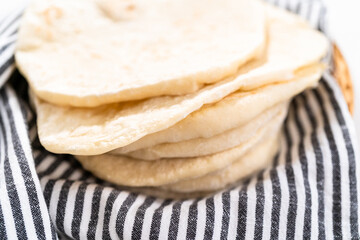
(178, 95)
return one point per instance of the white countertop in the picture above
(343, 16)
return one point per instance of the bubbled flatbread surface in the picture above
(135, 172)
(218, 143)
(256, 159)
(92, 52)
(84, 131)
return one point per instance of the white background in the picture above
(344, 21)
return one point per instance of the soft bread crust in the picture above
(128, 171)
(86, 53)
(90, 131)
(218, 143)
(259, 157)
(83, 131)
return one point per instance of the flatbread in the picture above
(218, 143)
(88, 53)
(84, 131)
(214, 119)
(127, 171)
(256, 159)
(227, 178)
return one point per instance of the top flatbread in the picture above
(84, 131)
(92, 52)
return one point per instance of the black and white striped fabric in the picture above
(310, 192)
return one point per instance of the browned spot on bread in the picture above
(52, 13)
(130, 7)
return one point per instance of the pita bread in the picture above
(84, 131)
(204, 123)
(86, 53)
(127, 171)
(229, 177)
(206, 146)
(257, 158)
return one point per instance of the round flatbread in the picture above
(214, 119)
(91, 131)
(99, 130)
(88, 53)
(256, 159)
(218, 143)
(135, 172)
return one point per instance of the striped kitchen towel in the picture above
(310, 192)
